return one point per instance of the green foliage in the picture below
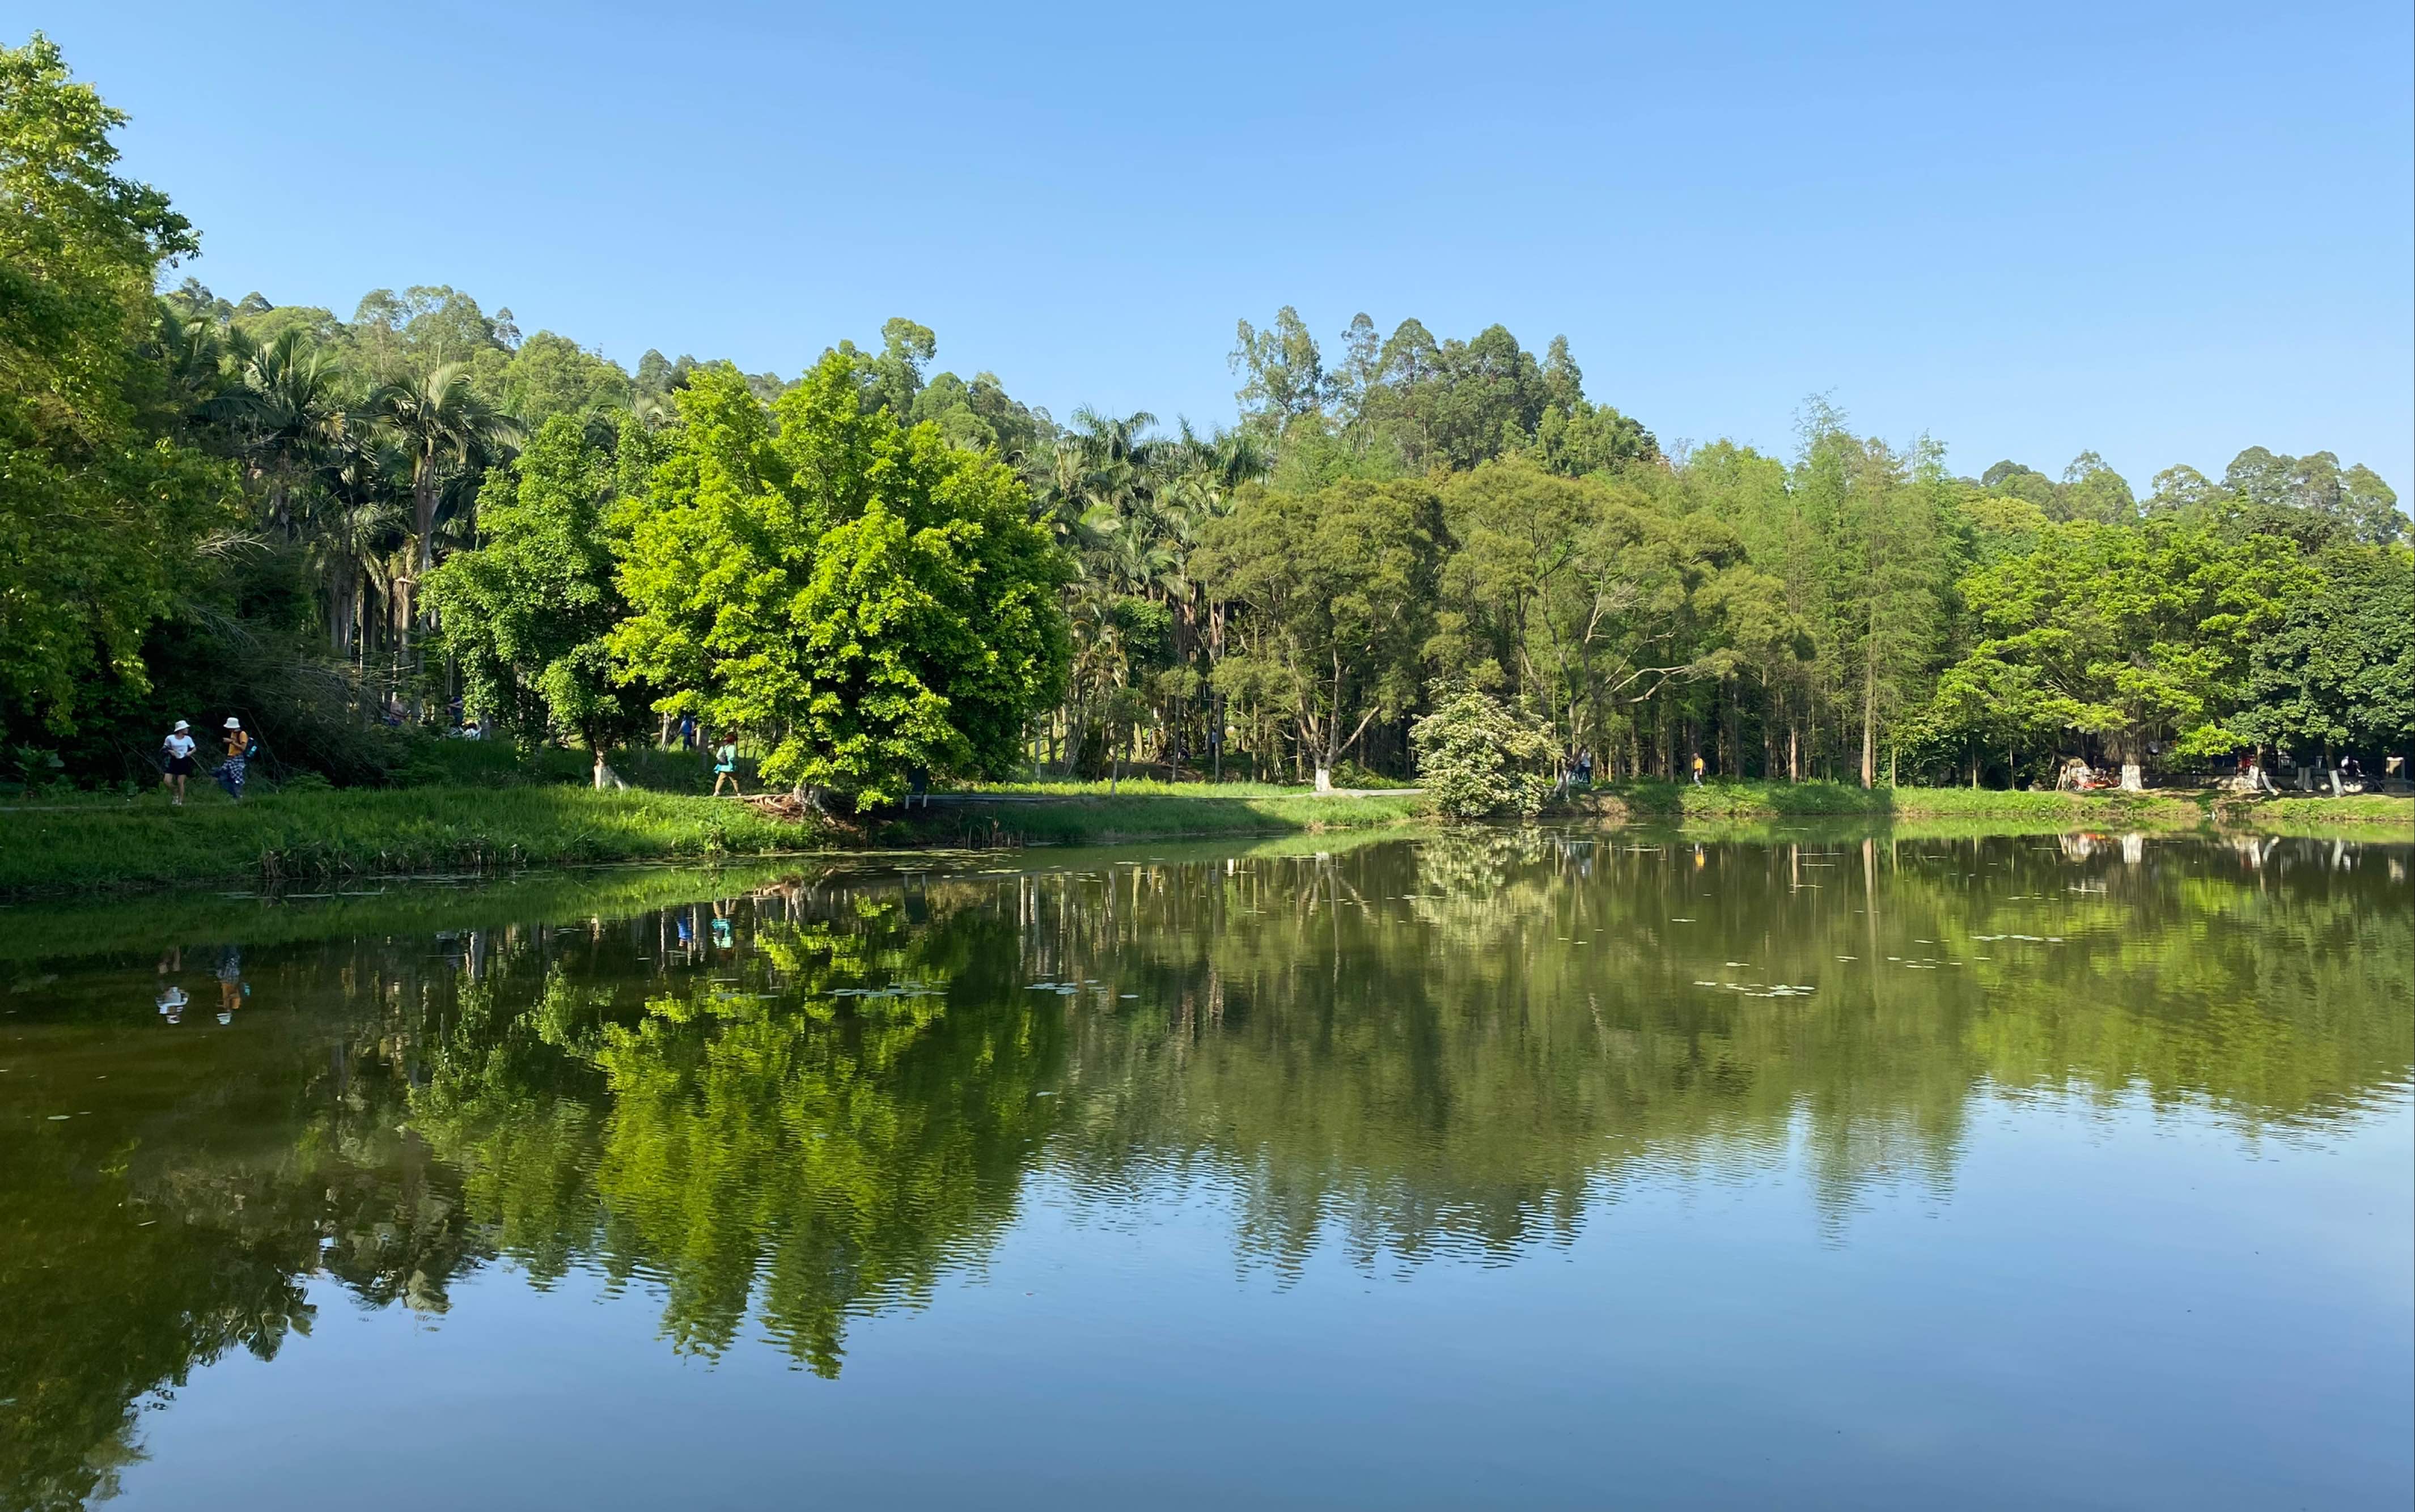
(2128, 633)
(2338, 670)
(507, 822)
(527, 612)
(1477, 757)
(1340, 585)
(552, 375)
(99, 504)
(862, 596)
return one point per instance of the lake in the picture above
(1556, 1168)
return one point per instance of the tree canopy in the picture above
(866, 597)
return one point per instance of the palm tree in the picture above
(284, 412)
(190, 350)
(356, 525)
(447, 429)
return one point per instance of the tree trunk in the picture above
(423, 509)
(1870, 720)
(339, 612)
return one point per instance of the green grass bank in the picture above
(1089, 814)
(300, 837)
(1683, 803)
(296, 839)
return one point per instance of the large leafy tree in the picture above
(2338, 672)
(98, 502)
(1338, 587)
(528, 612)
(2124, 634)
(862, 596)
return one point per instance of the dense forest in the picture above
(355, 533)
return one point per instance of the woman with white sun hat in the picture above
(238, 751)
(176, 761)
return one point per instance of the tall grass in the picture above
(356, 832)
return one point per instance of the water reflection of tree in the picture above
(822, 1105)
(178, 1228)
(1460, 1048)
(807, 1134)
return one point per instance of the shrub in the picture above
(1478, 757)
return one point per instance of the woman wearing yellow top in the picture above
(238, 752)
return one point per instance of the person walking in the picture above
(238, 752)
(1698, 769)
(176, 752)
(725, 768)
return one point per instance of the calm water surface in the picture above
(1553, 1169)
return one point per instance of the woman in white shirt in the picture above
(179, 749)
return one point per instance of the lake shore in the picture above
(294, 838)
(286, 838)
(1683, 803)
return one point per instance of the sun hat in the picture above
(181, 724)
(234, 722)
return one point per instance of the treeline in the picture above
(350, 530)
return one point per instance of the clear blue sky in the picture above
(2161, 231)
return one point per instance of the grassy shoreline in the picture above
(1682, 802)
(296, 838)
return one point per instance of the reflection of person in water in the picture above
(232, 988)
(721, 925)
(172, 999)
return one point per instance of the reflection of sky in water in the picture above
(1941, 1172)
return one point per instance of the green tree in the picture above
(285, 411)
(527, 612)
(1284, 372)
(2127, 633)
(1477, 757)
(550, 375)
(865, 597)
(2338, 670)
(1338, 587)
(1882, 555)
(2092, 490)
(99, 504)
(447, 430)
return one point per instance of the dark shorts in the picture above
(180, 766)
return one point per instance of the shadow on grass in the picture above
(1095, 818)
